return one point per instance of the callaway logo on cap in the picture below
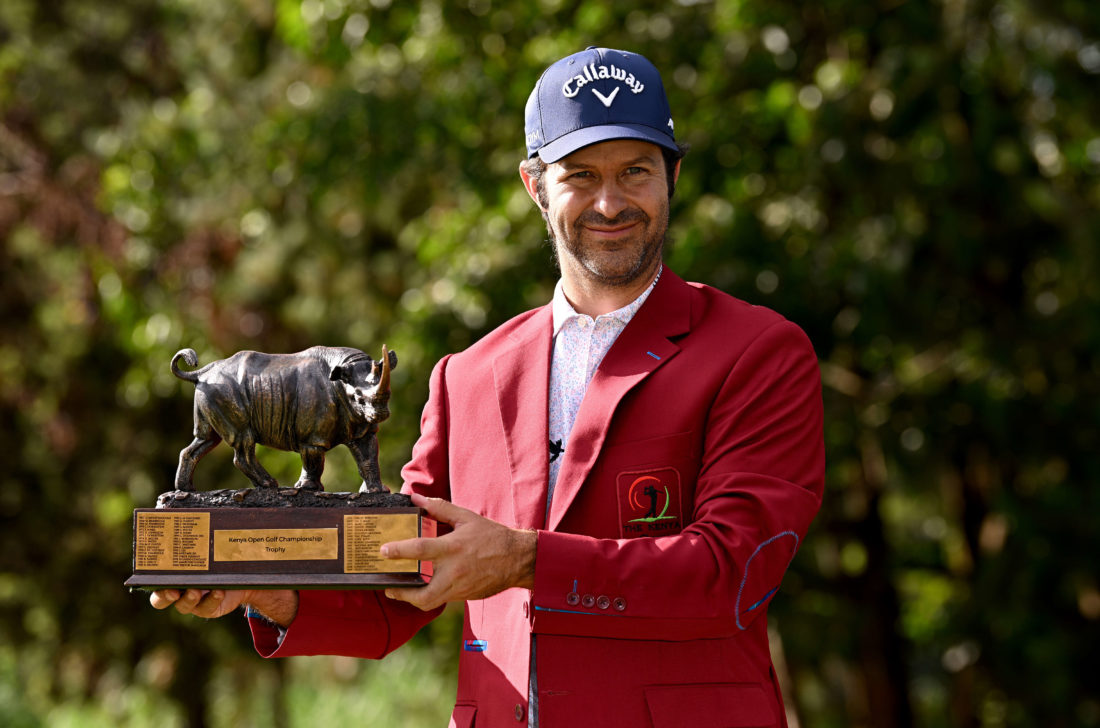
(594, 96)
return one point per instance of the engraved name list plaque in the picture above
(275, 547)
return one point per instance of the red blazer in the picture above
(693, 470)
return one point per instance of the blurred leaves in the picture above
(917, 184)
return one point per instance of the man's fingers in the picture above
(420, 597)
(213, 605)
(187, 601)
(200, 602)
(164, 598)
(439, 509)
(421, 549)
(206, 603)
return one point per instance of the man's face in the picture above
(606, 207)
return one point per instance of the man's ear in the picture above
(530, 184)
(676, 172)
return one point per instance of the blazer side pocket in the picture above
(463, 716)
(711, 705)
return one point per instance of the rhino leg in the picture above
(313, 464)
(365, 452)
(190, 456)
(244, 457)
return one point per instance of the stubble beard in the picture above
(617, 276)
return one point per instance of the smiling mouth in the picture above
(626, 218)
(610, 230)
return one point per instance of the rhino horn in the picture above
(384, 381)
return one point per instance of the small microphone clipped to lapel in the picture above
(555, 449)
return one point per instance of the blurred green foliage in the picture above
(916, 183)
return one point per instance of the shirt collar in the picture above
(563, 310)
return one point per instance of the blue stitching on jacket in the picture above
(653, 355)
(763, 599)
(745, 577)
(574, 611)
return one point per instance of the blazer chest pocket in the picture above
(653, 479)
(665, 450)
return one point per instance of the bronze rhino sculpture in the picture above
(308, 402)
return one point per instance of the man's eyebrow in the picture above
(570, 166)
(643, 159)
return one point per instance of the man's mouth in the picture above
(602, 227)
(610, 232)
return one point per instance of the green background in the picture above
(915, 183)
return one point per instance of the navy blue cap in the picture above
(594, 96)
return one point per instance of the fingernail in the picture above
(384, 552)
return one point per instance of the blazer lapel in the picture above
(521, 376)
(642, 348)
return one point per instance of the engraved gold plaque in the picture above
(279, 547)
(276, 544)
(365, 534)
(171, 541)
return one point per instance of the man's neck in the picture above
(594, 299)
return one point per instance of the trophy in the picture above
(268, 536)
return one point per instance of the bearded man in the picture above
(626, 472)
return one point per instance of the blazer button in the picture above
(603, 602)
(619, 604)
(572, 599)
(526, 610)
(588, 600)
(519, 712)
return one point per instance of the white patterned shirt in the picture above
(580, 343)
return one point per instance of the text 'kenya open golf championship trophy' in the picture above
(267, 536)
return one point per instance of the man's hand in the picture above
(477, 559)
(278, 605)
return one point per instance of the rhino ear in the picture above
(338, 374)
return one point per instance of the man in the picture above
(627, 471)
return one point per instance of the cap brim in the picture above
(566, 144)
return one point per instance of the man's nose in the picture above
(610, 200)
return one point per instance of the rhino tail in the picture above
(191, 359)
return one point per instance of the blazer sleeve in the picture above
(759, 486)
(353, 623)
(365, 623)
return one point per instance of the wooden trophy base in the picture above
(228, 547)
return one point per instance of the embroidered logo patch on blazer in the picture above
(649, 503)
